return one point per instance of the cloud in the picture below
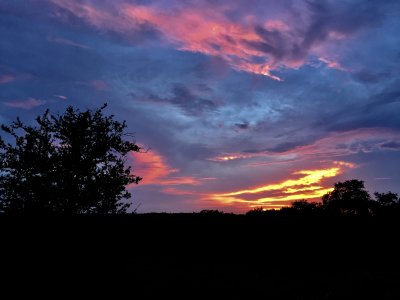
(62, 97)
(350, 142)
(99, 85)
(152, 167)
(184, 98)
(284, 38)
(392, 145)
(67, 42)
(7, 78)
(178, 192)
(338, 144)
(242, 126)
(25, 104)
(309, 184)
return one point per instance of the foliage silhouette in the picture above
(387, 199)
(349, 198)
(71, 163)
(386, 204)
(303, 205)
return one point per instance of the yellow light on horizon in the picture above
(306, 187)
(312, 177)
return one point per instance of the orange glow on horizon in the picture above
(308, 186)
(312, 177)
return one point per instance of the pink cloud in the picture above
(350, 142)
(178, 192)
(249, 44)
(99, 85)
(7, 78)
(25, 104)
(334, 145)
(333, 64)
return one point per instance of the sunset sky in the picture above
(242, 103)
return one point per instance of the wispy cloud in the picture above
(67, 42)
(62, 97)
(6, 78)
(333, 145)
(25, 104)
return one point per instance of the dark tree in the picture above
(72, 163)
(349, 197)
(386, 199)
(304, 206)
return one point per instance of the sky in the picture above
(242, 104)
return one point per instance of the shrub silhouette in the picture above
(71, 163)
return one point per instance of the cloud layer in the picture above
(230, 96)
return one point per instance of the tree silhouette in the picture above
(387, 199)
(71, 163)
(349, 198)
(304, 206)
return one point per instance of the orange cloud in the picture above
(310, 185)
(152, 167)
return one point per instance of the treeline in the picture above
(348, 198)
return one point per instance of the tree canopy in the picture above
(71, 163)
(348, 197)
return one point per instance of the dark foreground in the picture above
(194, 255)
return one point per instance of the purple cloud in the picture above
(25, 104)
